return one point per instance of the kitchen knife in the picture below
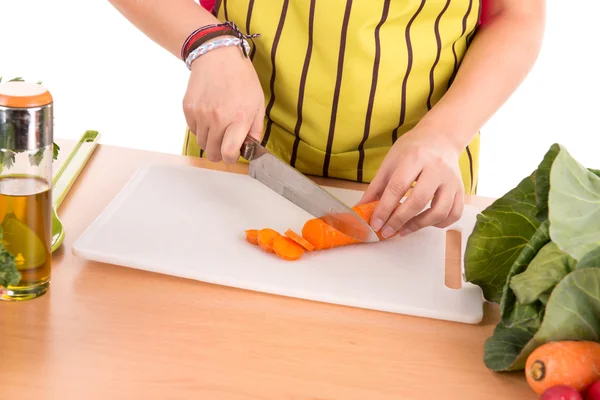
(303, 192)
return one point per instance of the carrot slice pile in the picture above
(316, 235)
(300, 240)
(287, 249)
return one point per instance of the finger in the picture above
(456, 212)
(375, 188)
(192, 127)
(188, 113)
(397, 186)
(422, 193)
(378, 184)
(442, 204)
(233, 138)
(213, 143)
(201, 137)
(256, 129)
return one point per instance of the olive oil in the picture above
(26, 220)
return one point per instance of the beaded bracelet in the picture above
(205, 37)
(205, 33)
(206, 47)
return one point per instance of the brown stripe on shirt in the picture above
(361, 146)
(408, 69)
(438, 41)
(464, 29)
(338, 83)
(248, 18)
(311, 20)
(278, 32)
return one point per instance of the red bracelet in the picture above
(201, 35)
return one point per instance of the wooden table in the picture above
(108, 332)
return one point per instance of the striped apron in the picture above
(344, 79)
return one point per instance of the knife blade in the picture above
(303, 192)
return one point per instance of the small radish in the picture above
(561, 392)
(593, 392)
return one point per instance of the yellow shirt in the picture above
(344, 79)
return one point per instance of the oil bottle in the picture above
(26, 155)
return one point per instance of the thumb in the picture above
(234, 136)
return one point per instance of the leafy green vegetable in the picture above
(574, 206)
(546, 269)
(590, 260)
(572, 313)
(504, 346)
(536, 251)
(542, 182)
(513, 313)
(9, 275)
(55, 151)
(499, 236)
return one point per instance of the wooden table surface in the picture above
(108, 332)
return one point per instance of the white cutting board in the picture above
(189, 222)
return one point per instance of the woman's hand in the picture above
(430, 159)
(224, 103)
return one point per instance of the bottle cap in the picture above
(23, 95)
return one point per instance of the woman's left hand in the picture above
(429, 158)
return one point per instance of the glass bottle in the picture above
(26, 155)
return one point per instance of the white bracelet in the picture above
(208, 46)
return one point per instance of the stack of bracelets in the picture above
(199, 42)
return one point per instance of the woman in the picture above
(389, 92)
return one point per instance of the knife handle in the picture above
(247, 149)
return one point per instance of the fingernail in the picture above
(404, 232)
(387, 232)
(377, 224)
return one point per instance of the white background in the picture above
(106, 75)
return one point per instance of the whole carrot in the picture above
(571, 363)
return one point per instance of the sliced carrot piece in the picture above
(287, 249)
(300, 240)
(252, 236)
(266, 237)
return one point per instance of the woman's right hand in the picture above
(224, 103)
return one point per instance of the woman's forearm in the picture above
(498, 60)
(168, 23)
